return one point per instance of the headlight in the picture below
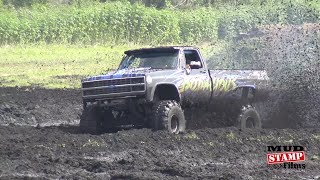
(149, 79)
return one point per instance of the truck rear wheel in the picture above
(249, 118)
(168, 115)
(94, 120)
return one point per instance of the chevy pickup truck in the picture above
(153, 86)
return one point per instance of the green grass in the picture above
(54, 46)
(61, 66)
(55, 66)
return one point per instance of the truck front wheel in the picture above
(95, 120)
(249, 118)
(168, 115)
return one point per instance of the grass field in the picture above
(73, 41)
(55, 66)
(60, 66)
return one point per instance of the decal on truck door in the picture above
(222, 86)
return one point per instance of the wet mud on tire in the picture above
(56, 149)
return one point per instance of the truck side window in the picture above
(192, 59)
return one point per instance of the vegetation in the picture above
(121, 22)
(53, 43)
(55, 66)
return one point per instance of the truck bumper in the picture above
(115, 103)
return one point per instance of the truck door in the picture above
(197, 83)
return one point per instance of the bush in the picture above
(24, 3)
(109, 23)
(122, 22)
(234, 21)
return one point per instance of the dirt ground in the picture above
(39, 139)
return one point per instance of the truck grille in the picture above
(112, 82)
(121, 86)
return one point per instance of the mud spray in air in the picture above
(39, 136)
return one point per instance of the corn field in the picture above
(123, 22)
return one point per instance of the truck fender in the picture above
(245, 90)
(173, 93)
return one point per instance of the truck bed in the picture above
(240, 74)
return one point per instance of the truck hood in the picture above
(135, 72)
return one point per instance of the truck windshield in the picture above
(157, 60)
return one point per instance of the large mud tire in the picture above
(96, 121)
(249, 118)
(168, 115)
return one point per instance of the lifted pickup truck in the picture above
(152, 87)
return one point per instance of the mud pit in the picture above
(56, 149)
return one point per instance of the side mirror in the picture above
(188, 69)
(195, 64)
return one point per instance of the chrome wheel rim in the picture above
(174, 124)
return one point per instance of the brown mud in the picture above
(39, 139)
